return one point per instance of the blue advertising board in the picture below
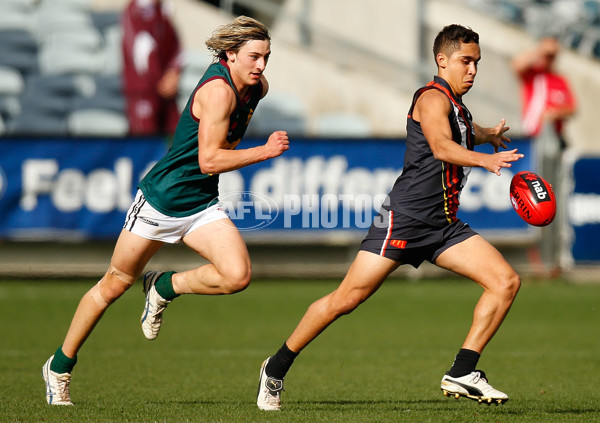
(70, 188)
(584, 210)
(81, 188)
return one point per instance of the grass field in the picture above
(383, 363)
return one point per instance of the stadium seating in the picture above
(61, 63)
(113, 55)
(18, 39)
(101, 100)
(22, 60)
(97, 123)
(279, 112)
(13, 17)
(576, 23)
(350, 125)
(67, 40)
(11, 81)
(9, 107)
(52, 85)
(34, 123)
(102, 21)
(57, 56)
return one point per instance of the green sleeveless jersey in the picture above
(175, 186)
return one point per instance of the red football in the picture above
(533, 198)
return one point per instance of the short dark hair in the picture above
(451, 37)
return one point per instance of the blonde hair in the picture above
(233, 36)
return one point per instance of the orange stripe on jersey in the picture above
(449, 184)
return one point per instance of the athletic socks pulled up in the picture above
(464, 363)
(61, 363)
(280, 363)
(164, 286)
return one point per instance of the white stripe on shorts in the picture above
(389, 233)
(147, 222)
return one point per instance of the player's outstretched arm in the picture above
(213, 104)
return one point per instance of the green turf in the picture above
(382, 363)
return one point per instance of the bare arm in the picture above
(213, 104)
(559, 112)
(525, 60)
(168, 84)
(432, 111)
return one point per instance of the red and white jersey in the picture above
(543, 91)
(150, 45)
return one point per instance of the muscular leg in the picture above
(479, 261)
(229, 269)
(130, 255)
(365, 276)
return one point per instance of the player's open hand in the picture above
(497, 137)
(495, 162)
(277, 143)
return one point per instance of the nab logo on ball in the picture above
(533, 198)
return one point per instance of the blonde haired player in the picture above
(177, 200)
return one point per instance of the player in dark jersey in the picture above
(418, 222)
(177, 200)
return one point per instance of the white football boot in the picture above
(473, 386)
(269, 390)
(155, 305)
(57, 385)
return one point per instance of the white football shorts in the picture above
(144, 220)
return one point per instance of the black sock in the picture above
(281, 362)
(464, 363)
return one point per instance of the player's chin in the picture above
(254, 78)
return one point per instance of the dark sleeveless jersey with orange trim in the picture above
(176, 186)
(429, 189)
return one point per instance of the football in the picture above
(533, 198)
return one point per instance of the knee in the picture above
(342, 305)
(510, 285)
(114, 284)
(237, 279)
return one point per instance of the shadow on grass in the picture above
(389, 405)
(297, 404)
(365, 402)
(576, 411)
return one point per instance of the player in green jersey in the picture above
(178, 199)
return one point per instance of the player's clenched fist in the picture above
(277, 143)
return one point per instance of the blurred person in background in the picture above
(178, 200)
(547, 102)
(546, 95)
(152, 62)
(418, 222)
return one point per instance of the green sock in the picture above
(61, 363)
(164, 286)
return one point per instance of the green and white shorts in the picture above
(144, 220)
